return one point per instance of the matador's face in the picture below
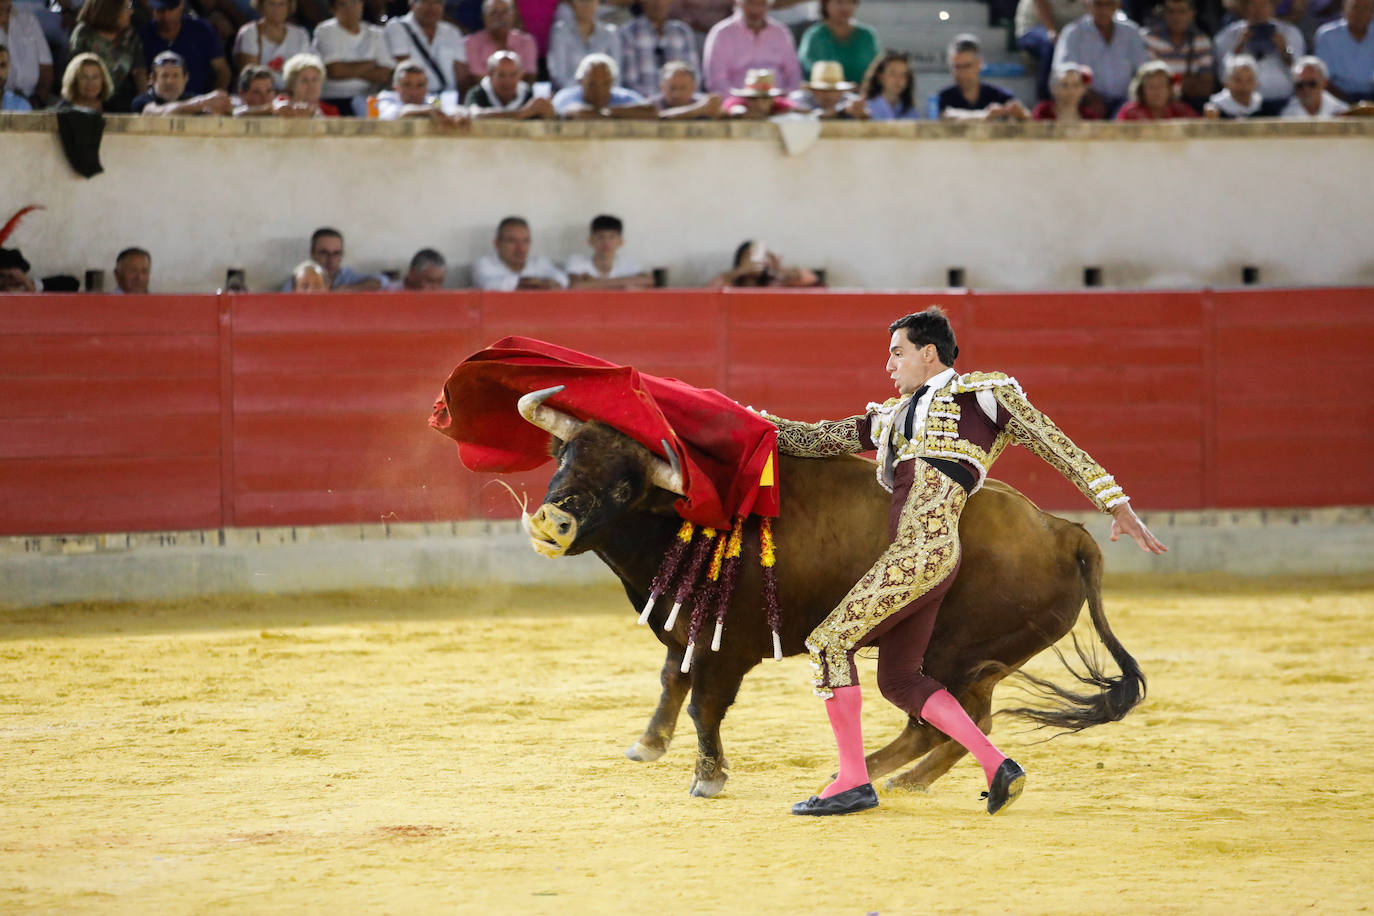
(909, 365)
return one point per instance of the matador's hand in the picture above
(1125, 521)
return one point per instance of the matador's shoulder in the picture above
(984, 381)
(885, 407)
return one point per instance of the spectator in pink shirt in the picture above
(500, 34)
(750, 40)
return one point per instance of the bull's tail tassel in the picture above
(663, 579)
(767, 560)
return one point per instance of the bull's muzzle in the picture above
(551, 530)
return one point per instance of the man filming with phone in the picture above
(1275, 44)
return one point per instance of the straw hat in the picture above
(828, 74)
(758, 84)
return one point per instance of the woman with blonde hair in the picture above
(104, 28)
(303, 78)
(270, 41)
(85, 84)
(1151, 96)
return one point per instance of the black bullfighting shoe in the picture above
(1007, 784)
(859, 798)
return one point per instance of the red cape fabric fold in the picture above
(728, 453)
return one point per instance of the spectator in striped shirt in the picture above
(650, 41)
(1177, 41)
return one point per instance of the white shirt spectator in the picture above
(582, 265)
(1228, 106)
(566, 49)
(272, 56)
(447, 47)
(28, 51)
(490, 272)
(1275, 80)
(334, 43)
(1331, 107)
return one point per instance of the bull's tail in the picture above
(1110, 697)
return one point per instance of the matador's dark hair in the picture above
(930, 327)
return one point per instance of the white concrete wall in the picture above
(880, 206)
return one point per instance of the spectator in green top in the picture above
(838, 37)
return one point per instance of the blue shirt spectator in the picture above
(194, 39)
(1111, 46)
(1349, 58)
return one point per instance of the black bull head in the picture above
(584, 493)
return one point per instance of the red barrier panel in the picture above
(160, 412)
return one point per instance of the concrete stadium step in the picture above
(883, 13)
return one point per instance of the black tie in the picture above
(910, 428)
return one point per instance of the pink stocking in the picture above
(844, 708)
(945, 713)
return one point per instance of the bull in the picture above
(1025, 577)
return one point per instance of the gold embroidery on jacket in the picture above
(923, 555)
(825, 439)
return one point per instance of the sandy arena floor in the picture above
(462, 752)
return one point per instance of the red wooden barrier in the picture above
(142, 413)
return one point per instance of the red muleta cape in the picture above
(728, 453)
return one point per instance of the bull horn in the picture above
(667, 474)
(532, 408)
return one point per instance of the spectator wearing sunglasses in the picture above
(1310, 97)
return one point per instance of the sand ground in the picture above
(384, 752)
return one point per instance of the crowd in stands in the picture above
(455, 60)
(511, 265)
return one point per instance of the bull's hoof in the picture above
(707, 788)
(904, 783)
(643, 753)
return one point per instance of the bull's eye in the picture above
(621, 492)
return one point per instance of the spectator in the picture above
(1178, 42)
(595, 94)
(1152, 96)
(304, 78)
(270, 41)
(169, 94)
(133, 268)
(1068, 91)
(757, 99)
(1239, 97)
(969, 98)
(257, 88)
(828, 94)
(13, 101)
(1111, 47)
(1347, 49)
(513, 267)
(650, 42)
(103, 27)
(423, 36)
(1310, 98)
(1037, 26)
(1272, 43)
(889, 88)
(86, 83)
(750, 40)
(678, 99)
(14, 272)
(537, 18)
(502, 93)
(755, 265)
(327, 250)
(838, 37)
(409, 97)
(193, 39)
(307, 277)
(427, 270)
(607, 268)
(500, 35)
(356, 58)
(30, 58)
(573, 40)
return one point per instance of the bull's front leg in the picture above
(658, 734)
(715, 683)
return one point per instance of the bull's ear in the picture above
(659, 502)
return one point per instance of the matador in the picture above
(935, 443)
